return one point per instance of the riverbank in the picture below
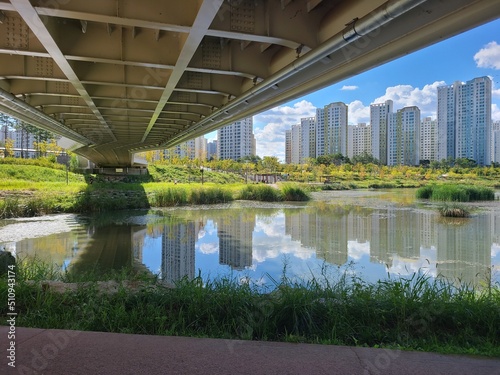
(413, 313)
(33, 190)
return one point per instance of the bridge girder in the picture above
(122, 76)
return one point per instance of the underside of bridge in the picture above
(124, 76)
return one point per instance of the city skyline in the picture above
(411, 80)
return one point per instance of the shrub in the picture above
(210, 196)
(261, 193)
(294, 193)
(453, 210)
(172, 196)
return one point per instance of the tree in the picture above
(9, 147)
(271, 163)
(365, 158)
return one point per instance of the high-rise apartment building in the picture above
(428, 139)
(334, 129)
(211, 149)
(288, 146)
(320, 134)
(296, 138)
(236, 141)
(359, 139)
(308, 138)
(495, 142)
(379, 118)
(464, 120)
(403, 137)
(200, 148)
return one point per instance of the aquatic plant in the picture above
(263, 193)
(292, 192)
(455, 193)
(453, 210)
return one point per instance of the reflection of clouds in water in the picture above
(272, 229)
(201, 234)
(263, 251)
(40, 226)
(210, 228)
(270, 241)
(357, 250)
(426, 264)
(495, 250)
(495, 258)
(209, 247)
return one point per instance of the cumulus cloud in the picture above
(495, 112)
(349, 88)
(209, 248)
(271, 138)
(488, 56)
(407, 95)
(357, 250)
(495, 91)
(403, 96)
(358, 112)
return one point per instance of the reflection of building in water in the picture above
(427, 228)
(325, 232)
(495, 228)
(331, 241)
(406, 235)
(394, 231)
(292, 225)
(55, 248)
(359, 226)
(464, 251)
(138, 236)
(235, 240)
(379, 242)
(178, 251)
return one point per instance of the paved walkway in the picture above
(58, 352)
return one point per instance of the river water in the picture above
(372, 235)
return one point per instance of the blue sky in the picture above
(410, 80)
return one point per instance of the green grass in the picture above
(455, 193)
(36, 173)
(183, 174)
(293, 192)
(414, 313)
(264, 193)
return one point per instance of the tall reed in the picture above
(416, 312)
(455, 193)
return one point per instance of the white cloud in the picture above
(494, 90)
(403, 96)
(209, 248)
(349, 88)
(407, 95)
(358, 112)
(271, 138)
(357, 250)
(488, 56)
(495, 112)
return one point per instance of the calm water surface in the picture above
(373, 235)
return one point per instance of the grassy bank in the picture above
(414, 313)
(31, 190)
